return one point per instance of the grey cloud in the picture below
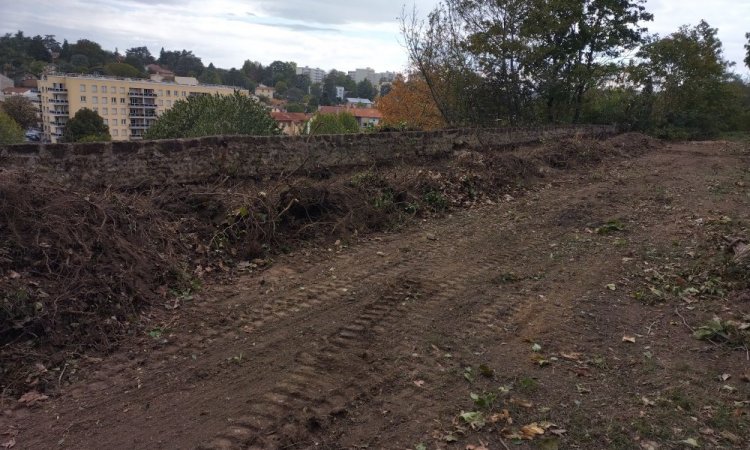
(340, 11)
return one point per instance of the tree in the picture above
(210, 75)
(335, 123)
(80, 61)
(747, 49)
(208, 115)
(10, 131)
(86, 125)
(365, 89)
(21, 110)
(139, 57)
(280, 71)
(689, 76)
(409, 104)
(509, 60)
(95, 55)
(184, 63)
(254, 70)
(122, 70)
(237, 78)
(328, 89)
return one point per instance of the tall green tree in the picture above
(689, 76)
(86, 126)
(209, 115)
(10, 131)
(365, 89)
(21, 110)
(747, 49)
(509, 60)
(139, 57)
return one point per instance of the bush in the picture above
(337, 123)
(86, 126)
(10, 131)
(210, 115)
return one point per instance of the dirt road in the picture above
(379, 343)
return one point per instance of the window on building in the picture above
(105, 112)
(122, 90)
(113, 89)
(169, 92)
(115, 133)
(106, 122)
(161, 102)
(83, 88)
(122, 111)
(169, 103)
(104, 89)
(104, 100)
(83, 99)
(184, 94)
(123, 122)
(122, 100)
(161, 92)
(94, 88)
(114, 99)
(95, 100)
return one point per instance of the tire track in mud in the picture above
(317, 371)
(372, 270)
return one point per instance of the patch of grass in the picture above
(680, 399)
(611, 226)
(528, 385)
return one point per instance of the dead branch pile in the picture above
(77, 266)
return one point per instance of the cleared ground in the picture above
(568, 309)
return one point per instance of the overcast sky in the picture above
(340, 34)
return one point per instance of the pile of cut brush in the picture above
(75, 266)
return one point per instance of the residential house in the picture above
(159, 73)
(366, 117)
(291, 124)
(264, 91)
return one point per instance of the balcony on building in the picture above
(141, 93)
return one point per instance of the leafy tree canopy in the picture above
(122, 70)
(410, 105)
(86, 126)
(10, 131)
(209, 115)
(21, 110)
(338, 123)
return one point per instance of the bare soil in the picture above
(568, 309)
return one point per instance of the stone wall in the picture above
(140, 163)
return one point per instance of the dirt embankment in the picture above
(79, 268)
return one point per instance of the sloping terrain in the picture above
(566, 315)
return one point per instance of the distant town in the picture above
(130, 90)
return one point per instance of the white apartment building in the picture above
(316, 75)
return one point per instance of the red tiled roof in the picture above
(289, 117)
(368, 113)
